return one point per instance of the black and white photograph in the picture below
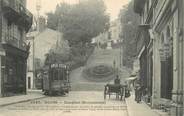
(91, 57)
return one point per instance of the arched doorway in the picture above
(167, 65)
(169, 61)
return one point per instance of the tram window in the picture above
(61, 74)
(52, 74)
(56, 74)
(64, 74)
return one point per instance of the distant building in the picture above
(41, 43)
(15, 22)
(101, 39)
(115, 30)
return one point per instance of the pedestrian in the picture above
(117, 83)
(138, 92)
(117, 80)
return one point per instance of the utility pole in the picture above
(34, 80)
(120, 53)
(38, 8)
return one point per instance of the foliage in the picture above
(60, 53)
(80, 22)
(53, 57)
(128, 34)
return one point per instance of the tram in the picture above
(56, 80)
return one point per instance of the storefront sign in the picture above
(162, 54)
(166, 50)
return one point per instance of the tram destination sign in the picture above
(58, 65)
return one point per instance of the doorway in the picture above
(29, 82)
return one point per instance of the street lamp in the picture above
(120, 46)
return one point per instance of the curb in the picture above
(7, 104)
(160, 113)
(128, 113)
(128, 110)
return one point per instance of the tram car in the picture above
(56, 80)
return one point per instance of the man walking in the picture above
(138, 92)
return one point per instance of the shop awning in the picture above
(131, 78)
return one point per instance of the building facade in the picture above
(41, 42)
(115, 30)
(161, 26)
(15, 22)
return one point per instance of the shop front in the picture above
(13, 71)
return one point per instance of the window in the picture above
(29, 82)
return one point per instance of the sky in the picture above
(113, 6)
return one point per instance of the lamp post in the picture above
(34, 80)
(120, 46)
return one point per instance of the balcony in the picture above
(26, 18)
(15, 12)
(138, 6)
(10, 40)
(10, 10)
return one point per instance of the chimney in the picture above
(41, 24)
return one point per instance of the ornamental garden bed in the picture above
(99, 73)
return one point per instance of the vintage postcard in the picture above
(91, 57)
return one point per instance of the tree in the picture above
(80, 22)
(128, 34)
(53, 18)
(52, 21)
(59, 53)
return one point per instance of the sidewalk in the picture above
(139, 109)
(31, 95)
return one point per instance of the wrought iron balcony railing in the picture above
(18, 43)
(16, 12)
